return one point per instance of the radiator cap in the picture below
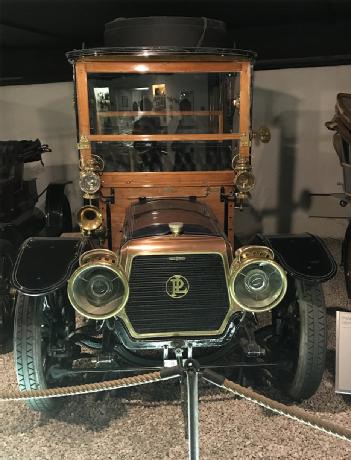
(176, 228)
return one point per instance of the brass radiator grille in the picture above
(172, 293)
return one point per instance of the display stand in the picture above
(343, 347)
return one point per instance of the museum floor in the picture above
(148, 424)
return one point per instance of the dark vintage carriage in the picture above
(154, 279)
(341, 125)
(20, 218)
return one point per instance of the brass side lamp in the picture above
(244, 180)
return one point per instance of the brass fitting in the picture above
(89, 219)
(244, 179)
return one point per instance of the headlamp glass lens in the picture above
(258, 285)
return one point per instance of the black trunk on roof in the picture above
(167, 31)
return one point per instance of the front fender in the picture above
(45, 264)
(303, 256)
(57, 210)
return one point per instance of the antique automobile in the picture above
(20, 218)
(153, 278)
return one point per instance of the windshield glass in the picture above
(171, 104)
(166, 156)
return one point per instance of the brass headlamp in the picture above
(256, 282)
(98, 289)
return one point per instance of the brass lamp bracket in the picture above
(244, 140)
(110, 199)
(83, 143)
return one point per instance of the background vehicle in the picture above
(341, 124)
(19, 218)
(164, 140)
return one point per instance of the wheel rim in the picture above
(51, 336)
(45, 340)
(283, 348)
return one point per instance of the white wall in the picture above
(45, 112)
(293, 103)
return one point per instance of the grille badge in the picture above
(177, 286)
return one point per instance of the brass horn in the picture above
(98, 289)
(89, 218)
(256, 283)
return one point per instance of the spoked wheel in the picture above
(7, 260)
(300, 341)
(41, 323)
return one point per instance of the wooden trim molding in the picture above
(161, 137)
(165, 67)
(179, 179)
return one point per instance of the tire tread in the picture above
(27, 350)
(313, 337)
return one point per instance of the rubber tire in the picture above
(312, 343)
(28, 351)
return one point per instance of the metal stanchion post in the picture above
(192, 378)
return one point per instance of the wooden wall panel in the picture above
(165, 179)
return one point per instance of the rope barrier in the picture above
(82, 389)
(291, 412)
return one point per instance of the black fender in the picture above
(303, 256)
(45, 264)
(57, 210)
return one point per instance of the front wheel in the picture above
(310, 341)
(298, 338)
(33, 332)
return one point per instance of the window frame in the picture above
(85, 66)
